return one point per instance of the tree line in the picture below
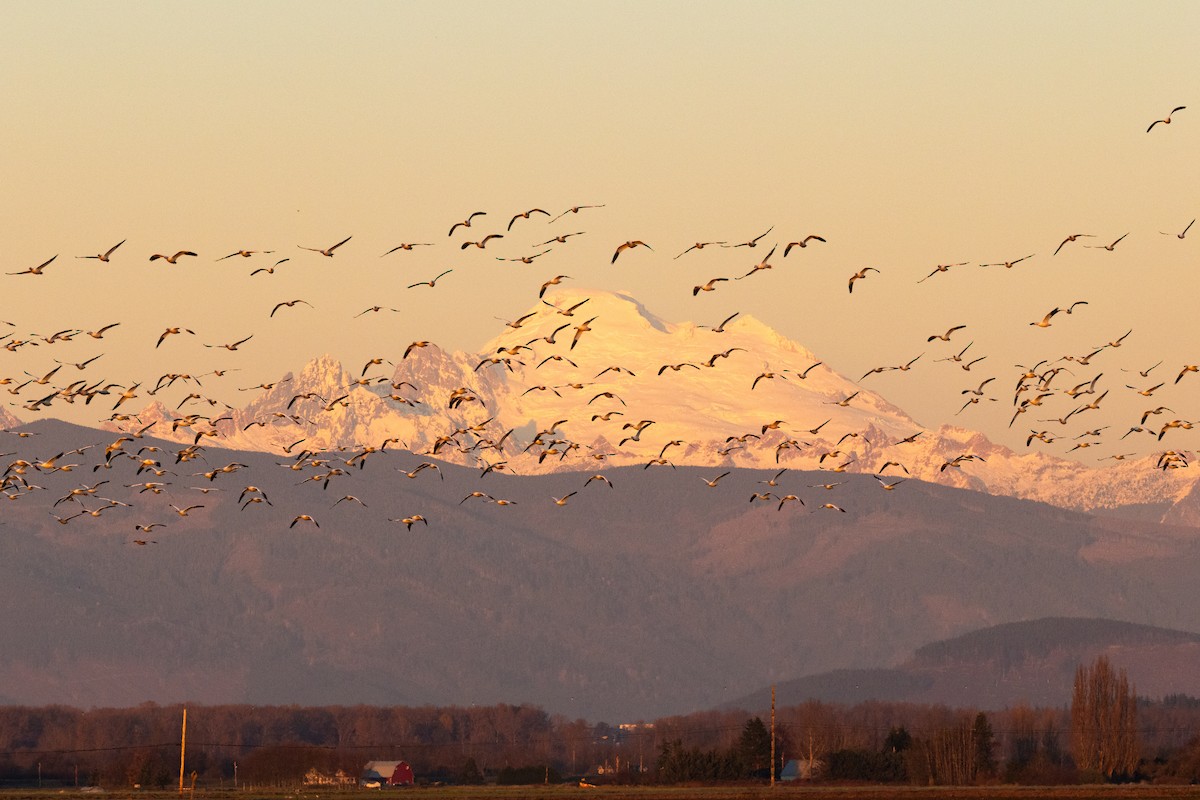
(1106, 734)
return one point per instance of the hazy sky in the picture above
(907, 134)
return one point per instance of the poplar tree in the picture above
(1104, 720)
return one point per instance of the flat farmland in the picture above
(1098, 792)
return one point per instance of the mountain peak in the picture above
(8, 420)
(586, 365)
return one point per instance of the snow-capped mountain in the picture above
(8, 420)
(590, 376)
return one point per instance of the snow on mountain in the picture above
(592, 377)
(8, 420)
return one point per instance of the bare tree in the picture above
(1104, 720)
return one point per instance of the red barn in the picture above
(387, 773)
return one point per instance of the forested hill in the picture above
(1010, 664)
(1014, 642)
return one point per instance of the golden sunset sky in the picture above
(907, 134)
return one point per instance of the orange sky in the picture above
(908, 135)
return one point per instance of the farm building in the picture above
(386, 773)
(801, 769)
(314, 777)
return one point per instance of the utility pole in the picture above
(182, 746)
(772, 736)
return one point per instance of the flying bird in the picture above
(105, 255)
(978, 391)
(754, 242)
(1071, 238)
(482, 242)
(760, 265)
(35, 270)
(766, 376)
(526, 259)
(430, 283)
(579, 331)
(525, 215)
(697, 246)
(844, 402)
(575, 210)
(562, 501)
(1008, 264)
(803, 375)
(802, 243)
(234, 346)
(560, 239)
(557, 279)
(941, 268)
(676, 367)
(371, 310)
(174, 258)
(774, 481)
(1117, 342)
(171, 331)
(271, 269)
(1182, 233)
(1108, 247)
(860, 275)
(721, 328)
(244, 253)
(557, 357)
(100, 333)
(945, 337)
(627, 245)
(1166, 121)
(712, 360)
(407, 246)
(328, 251)
(289, 304)
(786, 498)
(1045, 321)
(466, 223)
(570, 310)
(375, 362)
(711, 286)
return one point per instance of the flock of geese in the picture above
(151, 467)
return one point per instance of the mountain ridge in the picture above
(721, 413)
(1025, 662)
(640, 596)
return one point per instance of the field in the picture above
(1100, 792)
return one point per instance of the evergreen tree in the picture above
(754, 748)
(470, 773)
(985, 743)
(898, 740)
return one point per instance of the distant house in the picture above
(377, 774)
(314, 777)
(801, 770)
